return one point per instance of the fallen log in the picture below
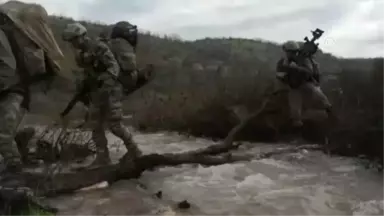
(69, 181)
(56, 182)
(44, 184)
(64, 182)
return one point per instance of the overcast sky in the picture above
(354, 28)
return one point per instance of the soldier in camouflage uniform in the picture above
(106, 94)
(123, 41)
(28, 55)
(298, 74)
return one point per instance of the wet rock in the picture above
(121, 198)
(19, 200)
(360, 141)
(184, 205)
(159, 194)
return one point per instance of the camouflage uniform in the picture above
(305, 88)
(106, 98)
(28, 53)
(126, 58)
(123, 45)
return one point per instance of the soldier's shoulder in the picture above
(315, 61)
(99, 44)
(103, 40)
(100, 47)
(119, 40)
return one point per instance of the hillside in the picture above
(199, 75)
(196, 63)
(235, 54)
(203, 87)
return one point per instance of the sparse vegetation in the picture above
(198, 82)
(203, 88)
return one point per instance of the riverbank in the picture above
(309, 168)
(358, 142)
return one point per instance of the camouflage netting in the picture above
(54, 143)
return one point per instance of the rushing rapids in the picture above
(305, 182)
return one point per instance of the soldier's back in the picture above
(124, 53)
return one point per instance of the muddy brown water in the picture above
(300, 183)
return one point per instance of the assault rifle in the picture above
(82, 95)
(145, 75)
(309, 48)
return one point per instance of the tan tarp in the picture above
(32, 19)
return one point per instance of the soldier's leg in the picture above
(11, 114)
(98, 132)
(320, 100)
(295, 106)
(115, 117)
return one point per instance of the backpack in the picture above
(9, 55)
(130, 77)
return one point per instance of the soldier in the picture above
(28, 55)
(106, 93)
(298, 74)
(123, 45)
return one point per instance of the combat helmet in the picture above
(291, 46)
(127, 31)
(73, 30)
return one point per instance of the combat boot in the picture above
(132, 154)
(131, 145)
(134, 151)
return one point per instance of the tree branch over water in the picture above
(69, 180)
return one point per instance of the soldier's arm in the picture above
(300, 69)
(293, 67)
(284, 67)
(281, 66)
(316, 66)
(80, 96)
(280, 69)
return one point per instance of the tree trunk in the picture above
(50, 184)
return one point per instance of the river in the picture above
(301, 183)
